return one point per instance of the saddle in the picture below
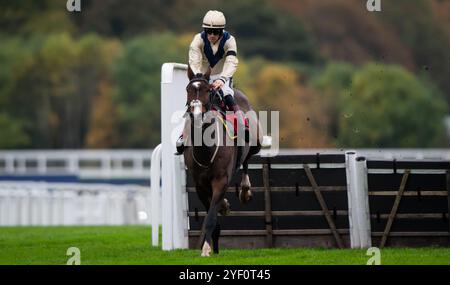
(229, 118)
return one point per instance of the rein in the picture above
(208, 108)
(215, 151)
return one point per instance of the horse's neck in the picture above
(203, 152)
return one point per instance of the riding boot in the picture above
(180, 145)
(240, 123)
(241, 129)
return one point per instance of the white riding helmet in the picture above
(214, 20)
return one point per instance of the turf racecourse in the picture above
(131, 245)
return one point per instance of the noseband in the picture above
(192, 82)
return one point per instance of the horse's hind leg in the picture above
(245, 195)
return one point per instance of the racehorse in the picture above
(214, 165)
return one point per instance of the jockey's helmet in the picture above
(214, 20)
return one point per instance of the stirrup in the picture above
(180, 145)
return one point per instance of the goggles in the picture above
(213, 31)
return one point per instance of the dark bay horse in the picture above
(213, 165)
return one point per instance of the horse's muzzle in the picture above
(196, 105)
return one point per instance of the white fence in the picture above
(378, 153)
(83, 163)
(135, 164)
(45, 204)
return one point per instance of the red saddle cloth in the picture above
(232, 118)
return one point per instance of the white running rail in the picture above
(52, 204)
(84, 163)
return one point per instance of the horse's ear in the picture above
(208, 73)
(190, 73)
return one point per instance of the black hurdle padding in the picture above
(257, 159)
(307, 222)
(232, 223)
(278, 223)
(408, 164)
(392, 182)
(410, 225)
(306, 158)
(409, 204)
(255, 176)
(256, 204)
(292, 177)
(281, 201)
(307, 201)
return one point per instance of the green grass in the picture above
(131, 245)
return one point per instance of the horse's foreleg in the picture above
(219, 186)
(245, 195)
(202, 194)
(215, 238)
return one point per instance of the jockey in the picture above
(215, 48)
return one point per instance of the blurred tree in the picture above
(389, 107)
(442, 10)
(419, 29)
(34, 17)
(61, 86)
(138, 77)
(344, 30)
(268, 32)
(332, 84)
(12, 134)
(134, 17)
(53, 89)
(259, 26)
(274, 87)
(103, 127)
(14, 53)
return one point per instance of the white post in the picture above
(42, 164)
(358, 203)
(155, 172)
(9, 160)
(173, 98)
(365, 233)
(352, 216)
(180, 222)
(105, 165)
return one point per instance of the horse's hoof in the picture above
(206, 250)
(245, 195)
(225, 210)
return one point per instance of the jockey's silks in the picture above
(223, 63)
(213, 59)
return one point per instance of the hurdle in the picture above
(330, 198)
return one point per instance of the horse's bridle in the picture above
(197, 104)
(190, 104)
